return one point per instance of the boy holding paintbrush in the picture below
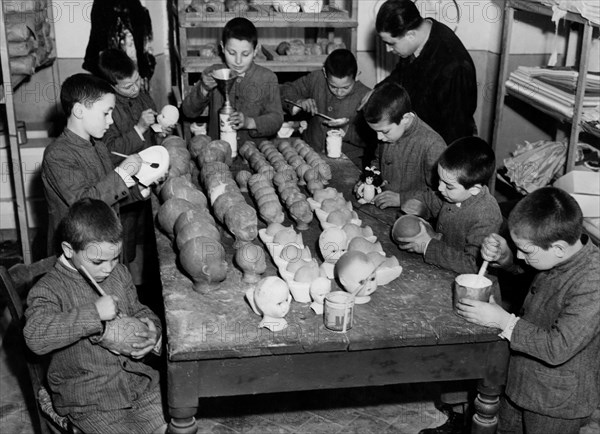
(97, 379)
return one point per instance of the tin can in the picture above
(338, 311)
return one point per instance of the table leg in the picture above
(182, 395)
(487, 403)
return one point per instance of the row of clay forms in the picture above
(185, 218)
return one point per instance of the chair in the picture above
(15, 283)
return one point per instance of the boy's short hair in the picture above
(471, 159)
(242, 29)
(341, 63)
(82, 88)
(91, 221)
(389, 101)
(546, 216)
(115, 65)
(397, 17)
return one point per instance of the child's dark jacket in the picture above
(256, 95)
(554, 367)
(61, 318)
(74, 168)
(463, 230)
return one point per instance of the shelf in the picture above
(266, 16)
(198, 64)
(542, 9)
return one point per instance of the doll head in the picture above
(272, 297)
(372, 174)
(356, 273)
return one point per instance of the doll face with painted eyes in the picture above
(333, 243)
(358, 276)
(369, 180)
(273, 300)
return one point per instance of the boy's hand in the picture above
(308, 105)
(208, 80)
(419, 242)
(107, 307)
(482, 313)
(495, 250)
(413, 207)
(387, 199)
(151, 336)
(132, 164)
(147, 118)
(240, 122)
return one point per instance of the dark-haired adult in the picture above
(434, 67)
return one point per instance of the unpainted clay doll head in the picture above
(333, 243)
(204, 260)
(251, 259)
(356, 273)
(272, 300)
(241, 220)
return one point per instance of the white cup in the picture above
(334, 143)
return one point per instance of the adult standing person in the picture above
(435, 68)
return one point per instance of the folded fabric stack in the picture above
(554, 88)
(588, 9)
(30, 35)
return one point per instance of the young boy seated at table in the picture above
(335, 92)
(98, 388)
(408, 148)
(466, 212)
(254, 95)
(463, 207)
(78, 164)
(552, 385)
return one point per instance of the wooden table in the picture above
(407, 333)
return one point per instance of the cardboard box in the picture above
(585, 188)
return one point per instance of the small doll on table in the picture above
(369, 185)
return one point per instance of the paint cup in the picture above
(334, 143)
(472, 286)
(338, 311)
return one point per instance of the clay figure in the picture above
(319, 288)
(369, 185)
(333, 243)
(271, 298)
(204, 260)
(251, 259)
(356, 273)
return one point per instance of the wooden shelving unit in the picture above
(9, 84)
(574, 122)
(190, 30)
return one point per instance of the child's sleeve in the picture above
(295, 90)
(194, 103)
(463, 260)
(575, 327)
(49, 328)
(433, 203)
(69, 179)
(270, 119)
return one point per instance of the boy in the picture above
(552, 385)
(77, 164)
(255, 93)
(134, 111)
(333, 91)
(101, 391)
(409, 148)
(465, 210)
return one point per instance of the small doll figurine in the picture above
(370, 185)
